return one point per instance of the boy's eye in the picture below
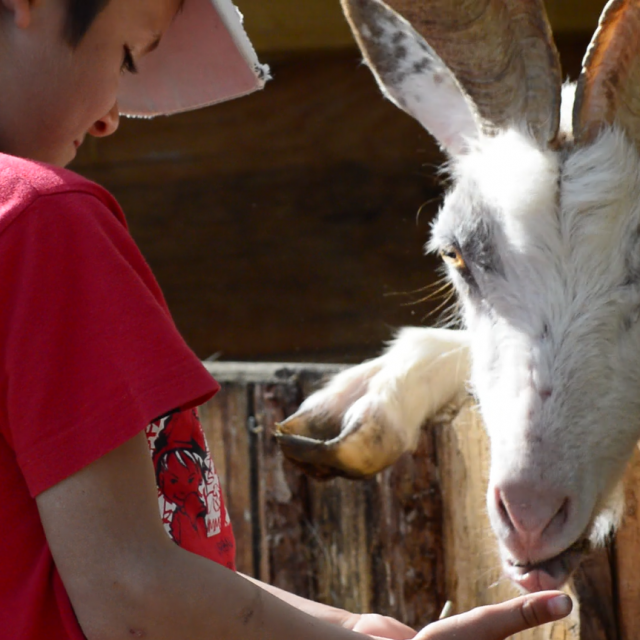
(128, 63)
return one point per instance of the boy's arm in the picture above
(126, 579)
(493, 622)
(369, 623)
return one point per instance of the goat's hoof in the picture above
(307, 425)
(325, 451)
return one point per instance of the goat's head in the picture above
(541, 234)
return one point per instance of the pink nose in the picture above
(535, 519)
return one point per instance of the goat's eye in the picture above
(453, 257)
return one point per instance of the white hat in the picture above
(204, 57)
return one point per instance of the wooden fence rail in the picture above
(403, 543)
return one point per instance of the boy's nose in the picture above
(108, 124)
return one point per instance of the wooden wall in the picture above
(283, 225)
(403, 543)
(385, 555)
(289, 225)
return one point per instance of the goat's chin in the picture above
(553, 573)
(549, 574)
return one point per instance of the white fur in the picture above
(556, 363)
(422, 370)
(512, 175)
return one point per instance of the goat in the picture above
(540, 235)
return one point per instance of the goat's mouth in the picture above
(551, 573)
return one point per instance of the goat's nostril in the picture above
(504, 513)
(556, 524)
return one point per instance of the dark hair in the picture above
(80, 16)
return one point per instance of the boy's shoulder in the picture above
(23, 181)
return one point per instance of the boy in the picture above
(94, 376)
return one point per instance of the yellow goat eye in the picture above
(453, 257)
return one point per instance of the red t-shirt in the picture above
(89, 357)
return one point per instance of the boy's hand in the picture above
(495, 622)
(499, 621)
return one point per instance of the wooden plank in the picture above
(290, 373)
(224, 420)
(339, 542)
(405, 539)
(285, 559)
(627, 552)
(594, 586)
(377, 544)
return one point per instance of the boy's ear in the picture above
(21, 10)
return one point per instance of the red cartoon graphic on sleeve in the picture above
(189, 491)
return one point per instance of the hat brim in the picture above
(205, 57)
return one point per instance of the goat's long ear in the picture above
(463, 67)
(608, 89)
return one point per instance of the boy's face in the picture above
(53, 95)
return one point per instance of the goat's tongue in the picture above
(539, 580)
(550, 574)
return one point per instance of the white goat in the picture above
(540, 232)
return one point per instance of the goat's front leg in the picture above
(367, 416)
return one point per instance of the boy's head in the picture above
(70, 67)
(55, 94)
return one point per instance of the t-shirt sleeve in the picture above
(90, 353)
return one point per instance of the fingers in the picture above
(497, 622)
